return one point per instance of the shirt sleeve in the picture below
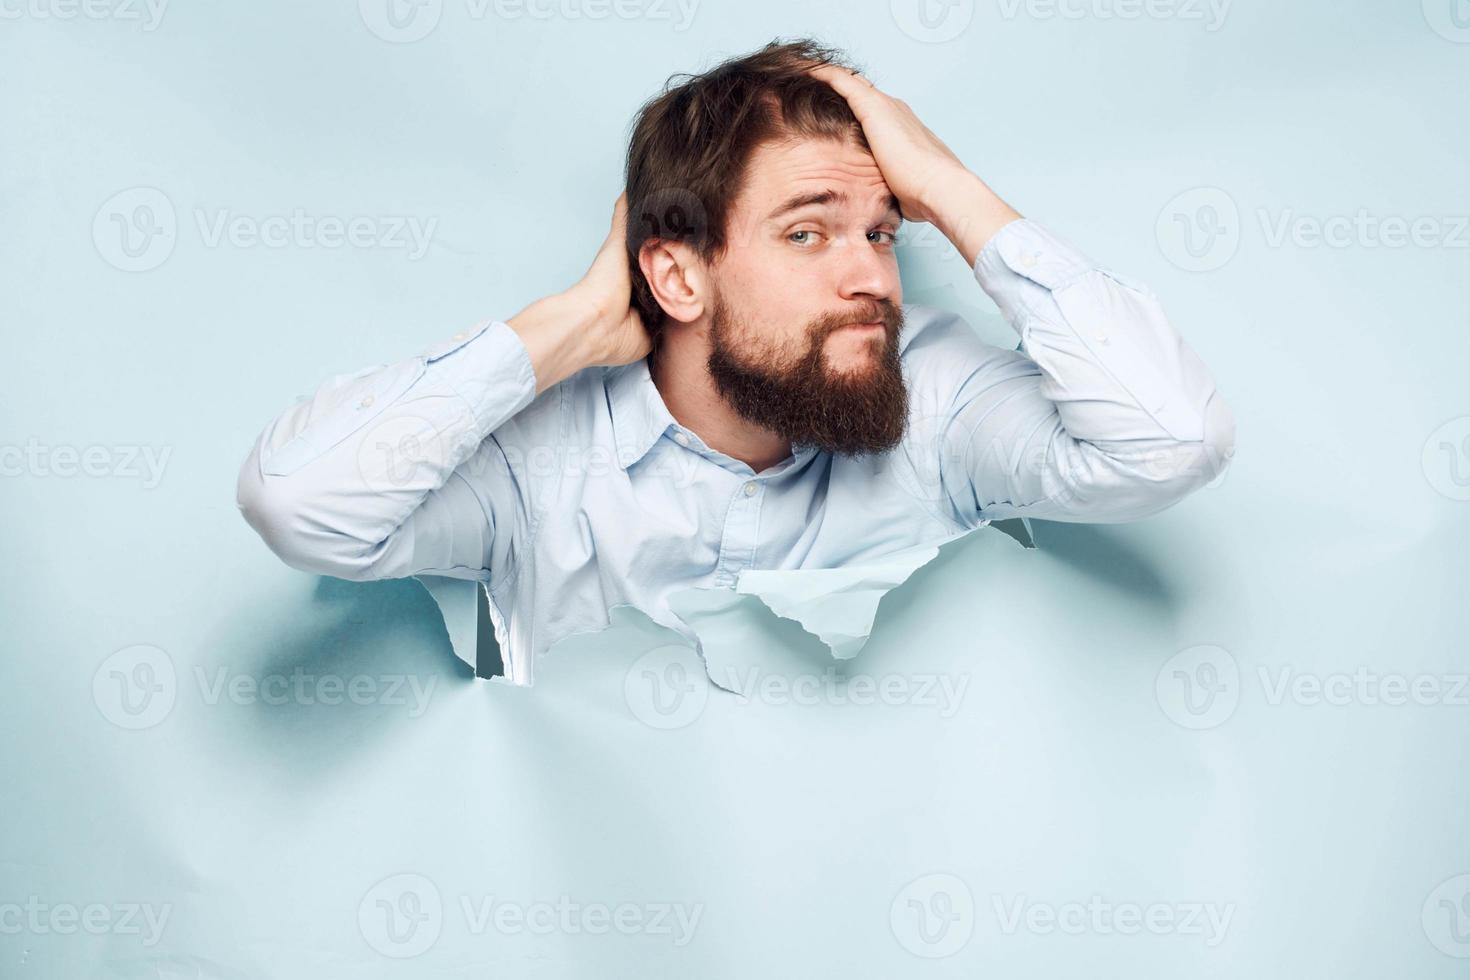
(395, 470)
(1105, 414)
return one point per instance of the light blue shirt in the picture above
(591, 495)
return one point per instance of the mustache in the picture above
(882, 311)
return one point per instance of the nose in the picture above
(867, 271)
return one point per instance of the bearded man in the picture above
(737, 384)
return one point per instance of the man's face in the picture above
(807, 308)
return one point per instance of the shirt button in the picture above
(458, 336)
(1102, 338)
(750, 489)
(365, 402)
(681, 438)
(1029, 260)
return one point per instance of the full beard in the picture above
(853, 413)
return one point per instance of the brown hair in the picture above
(690, 144)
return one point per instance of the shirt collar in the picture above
(639, 415)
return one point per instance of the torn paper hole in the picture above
(476, 631)
(837, 606)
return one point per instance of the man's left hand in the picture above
(930, 182)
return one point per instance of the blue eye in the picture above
(792, 237)
(892, 238)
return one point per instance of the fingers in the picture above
(848, 83)
(611, 261)
(620, 217)
(617, 234)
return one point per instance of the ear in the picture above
(677, 277)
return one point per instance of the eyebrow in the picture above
(824, 198)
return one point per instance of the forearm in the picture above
(968, 213)
(560, 335)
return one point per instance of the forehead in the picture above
(779, 170)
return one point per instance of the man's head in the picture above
(758, 219)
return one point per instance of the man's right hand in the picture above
(608, 289)
(591, 323)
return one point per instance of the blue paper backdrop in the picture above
(1232, 740)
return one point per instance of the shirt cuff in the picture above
(489, 367)
(1022, 263)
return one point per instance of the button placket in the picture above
(737, 545)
